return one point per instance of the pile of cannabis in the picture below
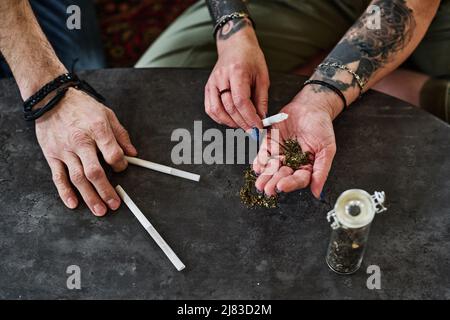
(294, 158)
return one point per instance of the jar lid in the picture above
(356, 208)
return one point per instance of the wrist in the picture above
(323, 100)
(58, 112)
(236, 33)
(32, 83)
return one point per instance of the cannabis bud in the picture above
(294, 158)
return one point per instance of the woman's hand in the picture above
(69, 136)
(310, 123)
(242, 69)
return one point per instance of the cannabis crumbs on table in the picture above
(294, 158)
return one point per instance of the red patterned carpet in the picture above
(130, 26)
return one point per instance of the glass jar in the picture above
(352, 216)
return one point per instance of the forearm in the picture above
(30, 56)
(372, 53)
(221, 8)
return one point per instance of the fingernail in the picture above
(99, 210)
(113, 204)
(254, 133)
(322, 195)
(278, 190)
(72, 203)
(132, 149)
(258, 191)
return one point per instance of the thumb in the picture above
(321, 168)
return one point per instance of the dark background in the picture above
(128, 27)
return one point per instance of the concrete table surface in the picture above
(230, 252)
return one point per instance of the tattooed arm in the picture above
(220, 8)
(241, 68)
(372, 54)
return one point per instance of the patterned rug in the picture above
(130, 26)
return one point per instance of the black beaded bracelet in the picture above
(33, 115)
(227, 18)
(329, 86)
(60, 84)
(47, 89)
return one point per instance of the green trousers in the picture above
(290, 33)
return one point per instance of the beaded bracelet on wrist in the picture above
(361, 83)
(61, 84)
(227, 18)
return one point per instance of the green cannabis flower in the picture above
(294, 158)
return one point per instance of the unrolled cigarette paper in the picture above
(150, 229)
(164, 169)
(274, 119)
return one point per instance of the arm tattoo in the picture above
(371, 49)
(220, 8)
(232, 27)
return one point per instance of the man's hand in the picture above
(70, 136)
(72, 132)
(242, 68)
(310, 123)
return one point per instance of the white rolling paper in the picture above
(267, 122)
(162, 168)
(150, 229)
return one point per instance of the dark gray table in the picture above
(229, 251)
